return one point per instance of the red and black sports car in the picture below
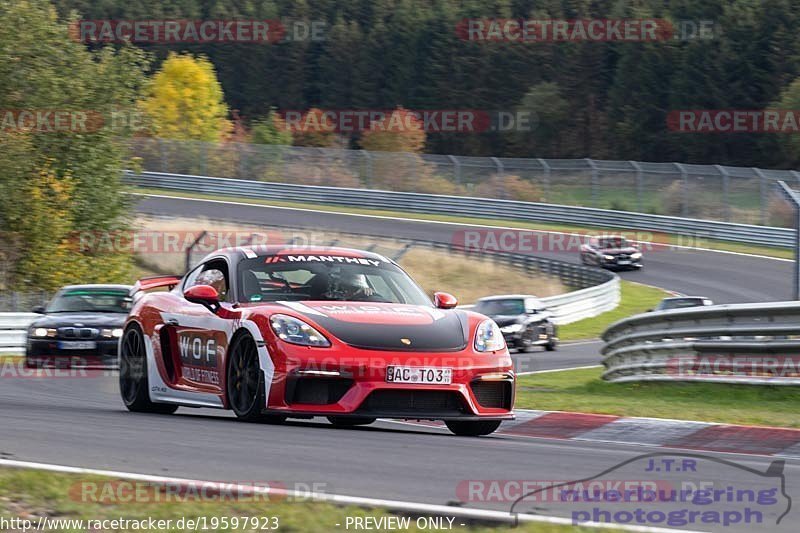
(278, 332)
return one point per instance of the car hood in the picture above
(505, 320)
(87, 320)
(617, 251)
(382, 326)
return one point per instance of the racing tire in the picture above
(133, 384)
(350, 421)
(245, 383)
(526, 341)
(469, 428)
(551, 345)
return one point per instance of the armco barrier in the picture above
(466, 207)
(13, 331)
(737, 343)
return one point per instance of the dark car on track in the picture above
(681, 302)
(523, 319)
(611, 252)
(80, 327)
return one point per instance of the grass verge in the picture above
(678, 240)
(29, 494)
(584, 391)
(635, 298)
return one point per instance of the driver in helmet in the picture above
(214, 278)
(353, 285)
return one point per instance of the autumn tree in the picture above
(186, 101)
(271, 129)
(313, 129)
(56, 184)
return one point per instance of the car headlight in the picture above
(42, 332)
(512, 328)
(488, 337)
(295, 331)
(608, 257)
(636, 255)
(116, 333)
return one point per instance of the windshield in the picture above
(613, 242)
(325, 278)
(91, 301)
(501, 307)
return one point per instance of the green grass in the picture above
(635, 298)
(30, 494)
(699, 242)
(584, 391)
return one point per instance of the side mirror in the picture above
(204, 295)
(442, 300)
(39, 309)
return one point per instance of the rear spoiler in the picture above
(154, 282)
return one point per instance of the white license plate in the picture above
(77, 345)
(425, 375)
(624, 262)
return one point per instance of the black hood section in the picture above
(505, 320)
(448, 334)
(88, 320)
(617, 251)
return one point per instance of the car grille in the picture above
(623, 257)
(495, 394)
(418, 402)
(78, 333)
(316, 391)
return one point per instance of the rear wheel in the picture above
(245, 383)
(350, 421)
(469, 428)
(551, 345)
(133, 384)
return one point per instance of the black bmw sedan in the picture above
(80, 327)
(523, 319)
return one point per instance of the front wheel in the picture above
(133, 383)
(245, 383)
(551, 345)
(464, 428)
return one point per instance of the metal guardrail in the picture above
(466, 207)
(714, 192)
(737, 343)
(584, 303)
(13, 331)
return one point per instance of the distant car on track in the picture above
(523, 319)
(280, 332)
(611, 252)
(81, 326)
(681, 302)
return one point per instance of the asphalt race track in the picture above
(725, 278)
(81, 422)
